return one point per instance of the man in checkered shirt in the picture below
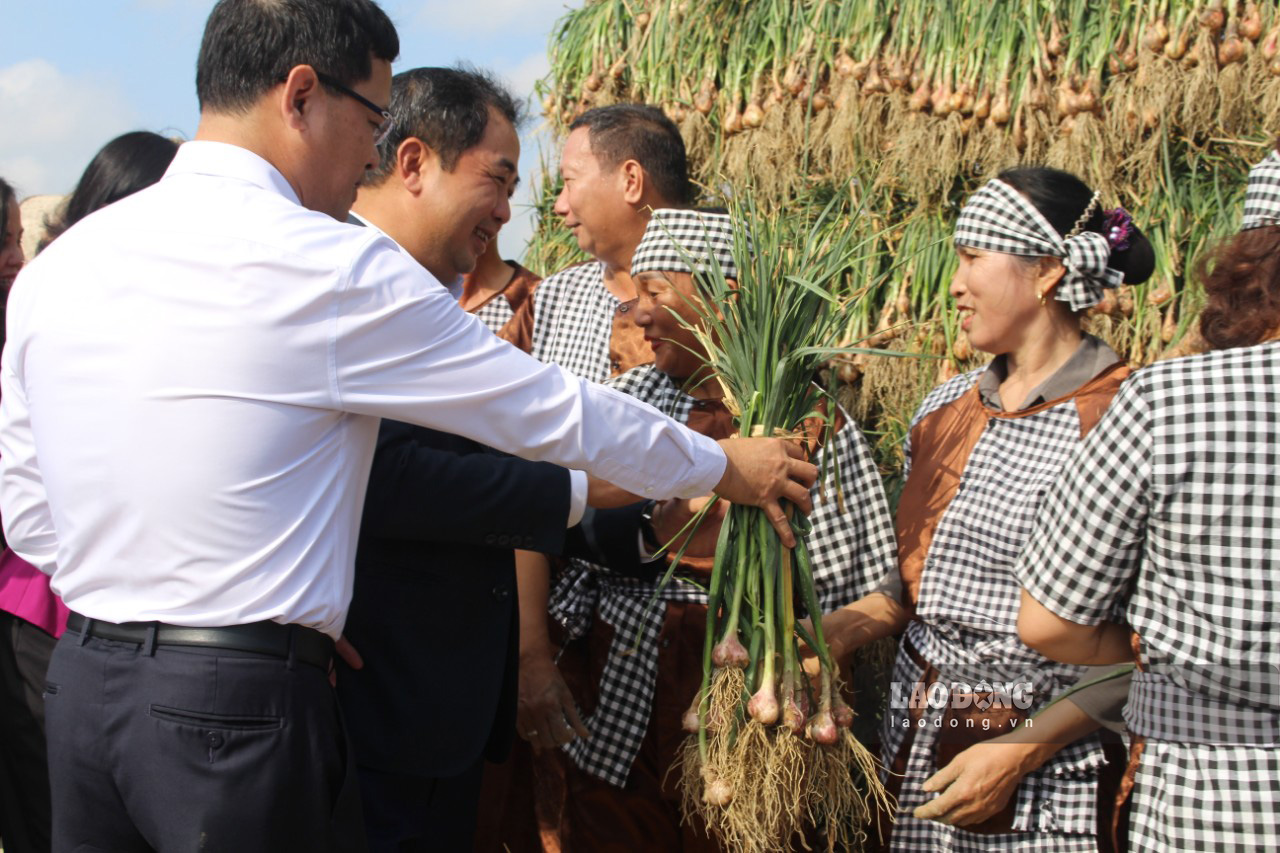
(1169, 512)
(618, 164)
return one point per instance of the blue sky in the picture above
(75, 73)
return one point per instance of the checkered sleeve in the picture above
(851, 545)
(1262, 195)
(1088, 537)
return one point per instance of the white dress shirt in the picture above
(191, 392)
(578, 485)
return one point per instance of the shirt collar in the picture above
(221, 159)
(454, 287)
(1090, 358)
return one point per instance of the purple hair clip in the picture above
(1118, 228)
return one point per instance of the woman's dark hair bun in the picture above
(1062, 197)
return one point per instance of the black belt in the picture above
(265, 638)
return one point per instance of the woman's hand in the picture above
(978, 782)
(546, 715)
(870, 618)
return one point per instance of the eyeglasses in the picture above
(388, 123)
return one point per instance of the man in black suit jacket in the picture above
(434, 617)
(434, 611)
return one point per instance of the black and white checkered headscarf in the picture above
(676, 238)
(1262, 195)
(998, 218)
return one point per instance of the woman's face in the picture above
(661, 294)
(996, 298)
(11, 248)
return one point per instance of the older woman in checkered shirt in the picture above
(645, 646)
(1036, 250)
(1169, 510)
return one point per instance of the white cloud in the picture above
(478, 17)
(51, 124)
(522, 76)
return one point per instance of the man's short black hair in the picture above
(249, 46)
(447, 108)
(642, 133)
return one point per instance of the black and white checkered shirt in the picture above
(852, 552)
(495, 313)
(967, 621)
(572, 321)
(1262, 194)
(1172, 504)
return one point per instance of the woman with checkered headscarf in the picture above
(1036, 249)
(620, 796)
(1161, 539)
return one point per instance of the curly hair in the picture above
(1241, 278)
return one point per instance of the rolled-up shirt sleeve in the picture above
(401, 348)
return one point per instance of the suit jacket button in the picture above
(490, 539)
(528, 542)
(501, 593)
(504, 540)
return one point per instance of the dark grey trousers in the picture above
(191, 750)
(24, 768)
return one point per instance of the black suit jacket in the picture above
(434, 611)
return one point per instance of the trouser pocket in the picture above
(206, 720)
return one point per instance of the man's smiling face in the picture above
(472, 201)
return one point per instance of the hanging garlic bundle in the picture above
(1161, 104)
(770, 750)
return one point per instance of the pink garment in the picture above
(24, 592)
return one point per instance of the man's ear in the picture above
(297, 96)
(634, 180)
(414, 162)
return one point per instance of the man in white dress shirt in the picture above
(192, 385)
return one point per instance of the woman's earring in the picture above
(1044, 298)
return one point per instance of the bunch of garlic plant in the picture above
(770, 751)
